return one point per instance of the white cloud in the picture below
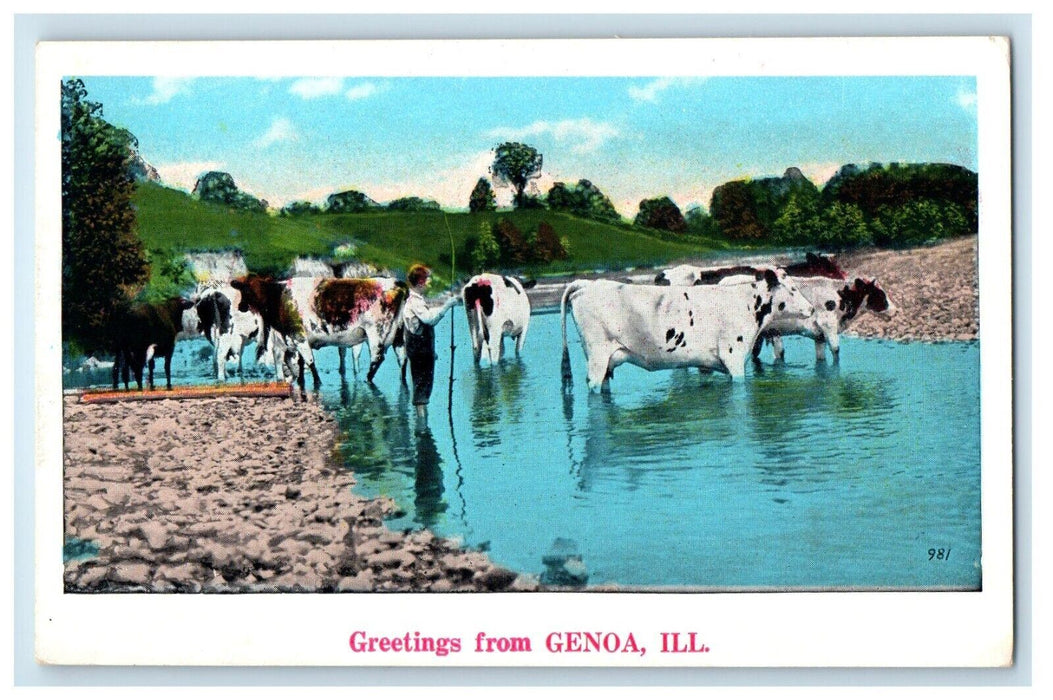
(652, 90)
(584, 135)
(166, 88)
(362, 91)
(281, 129)
(185, 175)
(312, 88)
(966, 99)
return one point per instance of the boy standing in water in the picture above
(420, 334)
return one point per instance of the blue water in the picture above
(802, 476)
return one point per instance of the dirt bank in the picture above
(934, 289)
(236, 495)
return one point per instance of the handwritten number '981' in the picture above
(940, 554)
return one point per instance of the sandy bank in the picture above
(236, 495)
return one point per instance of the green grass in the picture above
(172, 220)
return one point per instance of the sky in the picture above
(287, 139)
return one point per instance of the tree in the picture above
(699, 222)
(661, 213)
(413, 204)
(514, 250)
(735, 211)
(349, 202)
(103, 261)
(798, 224)
(516, 164)
(584, 200)
(485, 253)
(547, 246)
(482, 197)
(219, 188)
(843, 226)
(299, 208)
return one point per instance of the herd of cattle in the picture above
(710, 318)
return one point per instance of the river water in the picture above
(864, 475)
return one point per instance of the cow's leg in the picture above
(835, 347)
(306, 354)
(376, 353)
(403, 360)
(150, 366)
(597, 367)
(342, 352)
(776, 347)
(757, 345)
(116, 369)
(820, 350)
(521, 338)
(168, 371)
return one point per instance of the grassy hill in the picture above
(171, 221)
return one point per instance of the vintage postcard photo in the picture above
(605, 352)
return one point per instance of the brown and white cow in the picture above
(314, 312)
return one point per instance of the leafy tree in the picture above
(878, 186)
(219, 188)
(103, 262)
(516, 164)
(798, 224)
(919, 221)
(584, 200)
(699, 222)
(843, 226)
(349, 202)
(735, 211)
(514, 249)
(482, 197)
(661, 213)
(300, 208)
(547, 246)
(413, 204)
(485, 253)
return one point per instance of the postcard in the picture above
(627, 353)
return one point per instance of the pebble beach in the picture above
(237, 494)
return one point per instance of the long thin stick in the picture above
(453, 277)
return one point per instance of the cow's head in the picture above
(875, 298)
(784, 299)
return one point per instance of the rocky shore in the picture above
(935, 290)
(236, 495)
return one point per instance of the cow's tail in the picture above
(565, 364)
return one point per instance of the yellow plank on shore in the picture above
(190, 392)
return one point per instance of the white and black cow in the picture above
(497, 306)
(313, 312)
(712, 327)
(216, 317)
(836, 304)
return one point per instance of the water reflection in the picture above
(428, 485)
(497, 399)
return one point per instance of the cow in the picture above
(711, 327)
(496, 306)
(836, 304)
(314, 312)
(686, 275)
(143, 332)
(216, 317)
